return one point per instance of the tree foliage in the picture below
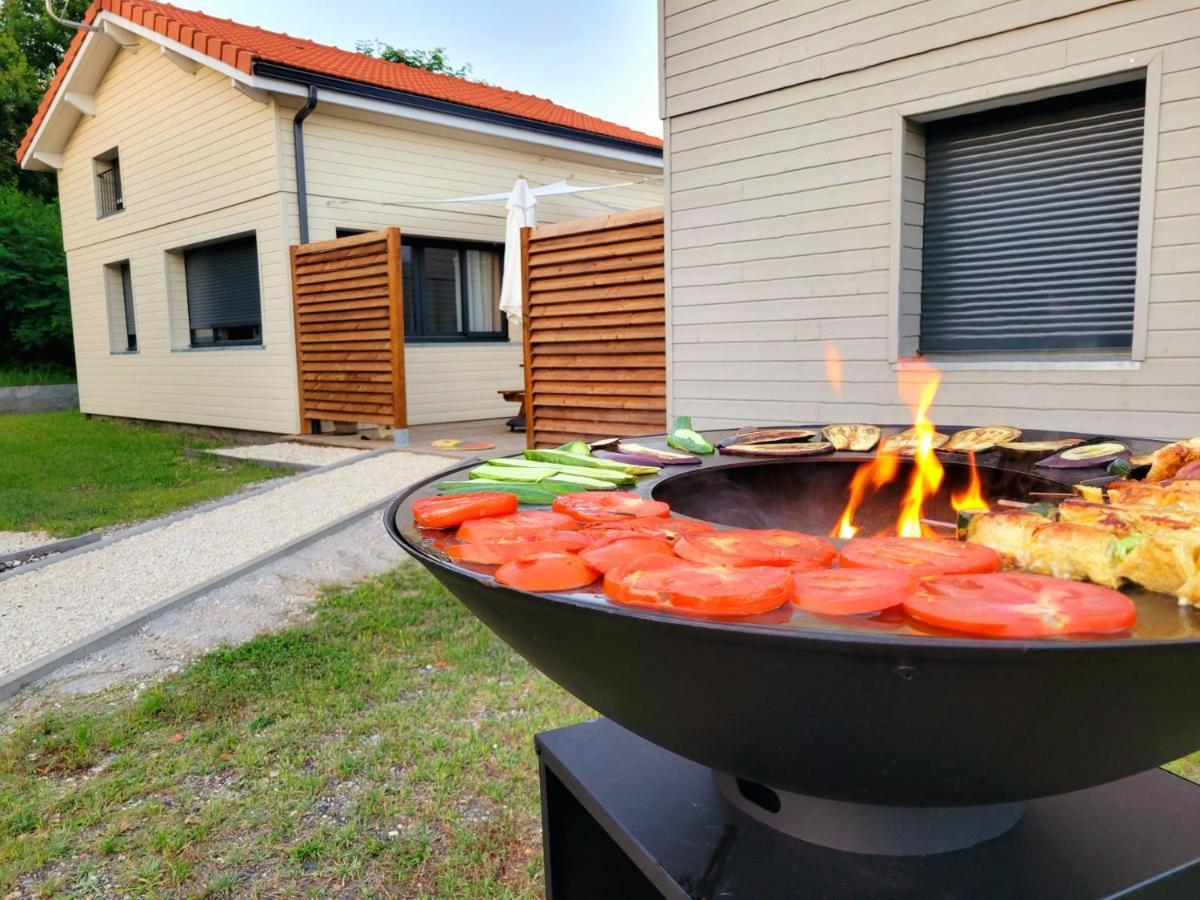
(35, 314)
(434, 60)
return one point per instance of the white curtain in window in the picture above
(483, 290)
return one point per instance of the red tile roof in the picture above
(241, 46)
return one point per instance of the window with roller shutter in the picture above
(223, 302)
(1031, 225)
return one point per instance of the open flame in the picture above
(972, 497)
(918, 383)
(833, 367)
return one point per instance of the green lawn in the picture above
(67, 475)
(384, 749)
(45, 373)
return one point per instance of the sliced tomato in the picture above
(518, 524)
(1020, 605)
(762, 547)
(619, 547)
(591, 507)
(668, 582)
(919, 556)
(668, 529)
(556, 571)
(454, 509)
(494, 553)
(848, 592)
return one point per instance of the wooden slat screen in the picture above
(595, 332)
(349, 316)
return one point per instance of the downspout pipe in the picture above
(298, 139)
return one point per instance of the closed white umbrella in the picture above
(522, 213)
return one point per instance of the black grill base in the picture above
(622, 817)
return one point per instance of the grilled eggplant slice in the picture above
(1039, 449)
(906, 442)
(749, 436)
(851, 437)
(977, 440)
(812, 448)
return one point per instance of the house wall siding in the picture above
(779, 207)
(182, 185)
(360, 167)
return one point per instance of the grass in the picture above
(383, 749)
(41, 373)
(65, 474)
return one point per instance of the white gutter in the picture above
(364, 104)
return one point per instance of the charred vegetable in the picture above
(685, 438)
(907, 442)
(812, 448)
(750, 436)
(1038, 448)
(1085, 455)
(859, 438)
(977, 440)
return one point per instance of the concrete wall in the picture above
(787, 199)
(30, 398)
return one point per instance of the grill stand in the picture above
(622, 817)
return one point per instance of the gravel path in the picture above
(49, 608)
(288, 452)
(14, 541)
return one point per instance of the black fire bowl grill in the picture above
(808, 719)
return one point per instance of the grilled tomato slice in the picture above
(616, 548)
(546, 572)
(454, 509)
(848, 592)
(658, 581)
(591, 507)
(1019, 605)
(513, 525)
(764, 547)
(655, 526)
(502, 550)
(919, 556)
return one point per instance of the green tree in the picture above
(41, 39)
(35, 314)
(434, 60)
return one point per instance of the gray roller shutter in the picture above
(1031, 218)
(222, 284)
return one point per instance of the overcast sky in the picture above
(597, 56)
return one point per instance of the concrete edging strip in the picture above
(13, 682)
(151, 524)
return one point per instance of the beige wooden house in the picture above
(1011, 189)
(175, 136)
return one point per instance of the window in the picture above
(109, 196)
(1031, 225)
(122, 324)
(223, 303)
(452, 290)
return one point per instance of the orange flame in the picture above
(870, 476)
(918, 385)
(833, 367)
(972, 497)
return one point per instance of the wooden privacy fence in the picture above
(350, 330)
(595, 333)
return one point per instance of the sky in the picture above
(596, 56)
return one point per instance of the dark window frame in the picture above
(415, 306)
(121, 273)
(1067, 111)
(225, 336)
(110, 190)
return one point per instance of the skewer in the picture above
(1051, 494)
(1013, 504)
(936, 523)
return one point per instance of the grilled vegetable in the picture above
(747, 437)
(1121, 467)
(851, 437)
(1167, 461)
(562, 457)
(907, 442)
(977, 440)
(684, 438)
(1085, 455)
(578, 447)
(1190, 472)
(813, 448)
(636, 454)
(586, 471)
(1038, 448)
(541, 493)
(511, 473)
